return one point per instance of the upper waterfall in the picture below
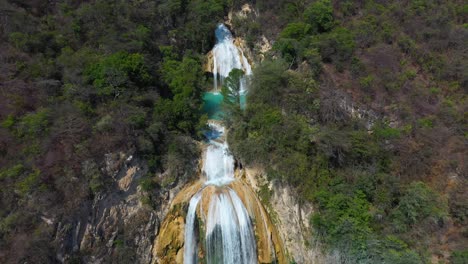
(226, 57)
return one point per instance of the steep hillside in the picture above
(361, 107)
(358, 107)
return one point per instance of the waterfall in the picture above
(229, 236)
(226, 57)
(190, 250)
(225, 222)
(229, 232)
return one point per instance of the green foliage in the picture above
(383, 131)
(104, 124)
(195, 21)
(180, 160)
(33, 124)
(405, 256)
(297, 31)
(268, 81)
(366, 82)
(8, 223)
(426, 122)
(148, 183)
(343, 219)
(459, 257)
(337, 46)
(232, 97)
(183, 111)
(183, 77)
(417, 203)
(19, 40)
(63, 63)
(13, 172)
(290, 49)
(27, 184)
(8, 122)
(91, 172)
(313, 58)
(117, 73)
(320, 15)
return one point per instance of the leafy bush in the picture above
(336, 46)
(116, 73)
(34, 124)
(27, 184)
(12, 172)
(105, 124)
(297, 31)
(290, 49)
(459, 257)
(343, 219)
(417, 203)
(320, 15)
(8, 122)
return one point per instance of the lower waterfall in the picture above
(229, 231)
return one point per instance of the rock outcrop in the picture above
(290, 218)
(116, 226)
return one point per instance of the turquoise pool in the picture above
(212, 104)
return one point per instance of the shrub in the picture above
(366, 82)
(104, 124)
(9, 121)
(320, 15)
(290, 49)
(26, 185)
(343, 219)
(313, 58)
(336, 46)
(19, 40)
(114, 74)
(417, 203)
(297, 31)
(12, 172)
(34, 124)
(459, 257)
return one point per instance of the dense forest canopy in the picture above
(360, 106)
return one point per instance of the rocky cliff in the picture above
(118, 226)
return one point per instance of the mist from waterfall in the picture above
(226, 57)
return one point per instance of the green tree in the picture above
(117, 73)
(417, 203)
(182, 110)
(232, 89)
(320, 15)
(233, 99)
(296, 31)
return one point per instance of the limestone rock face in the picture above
(118, 219)
(290, 219)
(169, 244)
(115, 227)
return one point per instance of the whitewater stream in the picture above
(229, 233)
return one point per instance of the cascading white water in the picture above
(218, 164)
(190, 250)
(229, 234)
(229, 237)
(226, 57)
